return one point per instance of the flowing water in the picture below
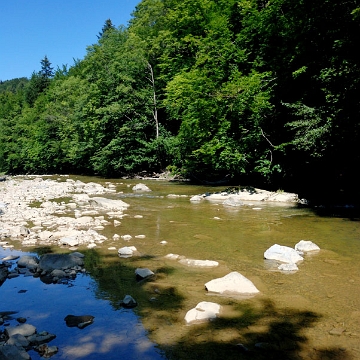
(313, 313)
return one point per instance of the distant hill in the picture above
(13, 85)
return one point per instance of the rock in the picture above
(69, 241)
(233, 201)
(172, 256)
(12, 352)
(283, 253)
(3, 273)
(109, 204)
(128, 302)
(140, 187)
(306, 245)
(126, 237)
(22, 329)
(46, 351)
(18, 340)
(127, 251)
(199, 263)
(41, 338)
(28, 261)
(233, 283)
(202, 312)
(143, 273)
(79, 321)
(196, 198)
(49, 262)
(10, 258)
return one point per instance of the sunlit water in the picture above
(313, 313)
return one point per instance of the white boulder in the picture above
(140, 187)
(232, 283)
(233, 201)
(283, 253)
(306, 245)
(127, 251)
(202, 312)
(143, 273)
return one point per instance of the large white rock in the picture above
(141, 187)
(233, 283)
(306, 245)
(143, 273)
(202, 312)
(127, 250)
(283, 253)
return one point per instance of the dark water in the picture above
(311, 314)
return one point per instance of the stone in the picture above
(283, 253)
(143, 273)
(126, 237)
(49, 262)
(196, 198)
(128, 302)
(41, 338)
(18, 340)
(199, 263)
(127, 251)
(12, 352)
(22, 329)
(79, 321)
(232, 283)
(203, 311)
(306, 245)
(140, 187)
(28, 261)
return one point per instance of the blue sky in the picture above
(59, 29)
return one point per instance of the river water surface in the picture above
(313, 313)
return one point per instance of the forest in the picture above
(260, 93)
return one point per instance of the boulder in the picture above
(306, 246)
(140, 187)
(283, 253)
(49, 262)
(128, 302)
(28, 261)
(143, 273)
(22, 329)
(203, 311)
(127, 251)
(79, 321)
(232, 283)
(12, 352)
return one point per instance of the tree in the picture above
(107, 26)
(39, 81)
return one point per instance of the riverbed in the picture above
(313, 313)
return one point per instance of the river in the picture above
(313, 313)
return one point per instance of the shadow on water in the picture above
(247, 329)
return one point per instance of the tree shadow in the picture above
(248, 329)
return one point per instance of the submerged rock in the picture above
(49, 262)
(233, 283)
(129, 302)
(199, 263)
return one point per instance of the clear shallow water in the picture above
(294, 314)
